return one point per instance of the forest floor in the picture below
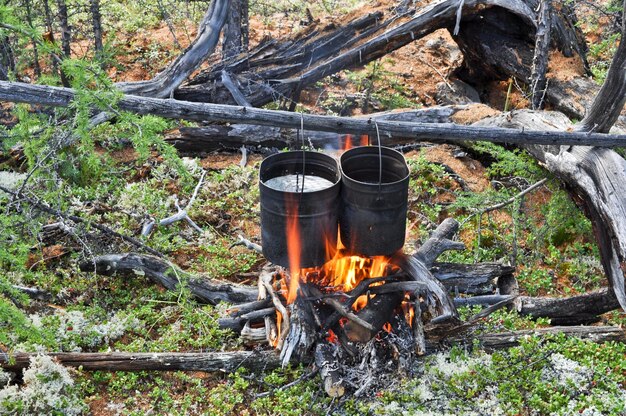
(544, 235)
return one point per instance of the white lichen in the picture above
(48, 389)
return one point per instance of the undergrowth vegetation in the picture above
(123, 173)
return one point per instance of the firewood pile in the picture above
(354, 317)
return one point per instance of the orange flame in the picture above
(347, 143)
(293, 246)
(364, 140)
(409, 310)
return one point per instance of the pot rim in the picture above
(336, 166)
(390, 152)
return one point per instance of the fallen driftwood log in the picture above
(268, 360)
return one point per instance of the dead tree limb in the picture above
(542, 51)
(58, 96)
(269, 360)
(498, 341)
(166, 274)
(43, 207)
(164, 83)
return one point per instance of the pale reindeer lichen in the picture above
(48, 389)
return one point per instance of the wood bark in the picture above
(96, 21)
(235, 40)
(540, 59)
(58, 96)
(327, 361)
(269, 360)
(66, 36)
(474, 279)
(498, 341)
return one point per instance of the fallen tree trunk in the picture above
(154, 361)
(498, 341)
(596, 176)
(61, 97)
(473, 279)
(192, 140)
(268, 360)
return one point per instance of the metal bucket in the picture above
(315, 213)
(374, 198)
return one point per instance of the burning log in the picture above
(378, 311)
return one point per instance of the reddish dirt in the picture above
(473, 113)
(470, 170)
(561, 67)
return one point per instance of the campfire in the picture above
(339, 290)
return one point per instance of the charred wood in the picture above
(326, 359)
(378, 311)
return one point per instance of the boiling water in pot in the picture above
(293, 183)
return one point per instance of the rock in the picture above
(462, 94)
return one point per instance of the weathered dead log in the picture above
(498, 341)
(573, 310)
(193, 140)
(164, 273)
(60, 97)
(268, 360)
(474, 279)
(597, 176)
(267, 82)
(154, 361)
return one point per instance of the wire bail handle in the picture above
(380, 161)
(300, 132)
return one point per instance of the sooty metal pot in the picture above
(315, 213)
(374, 198)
